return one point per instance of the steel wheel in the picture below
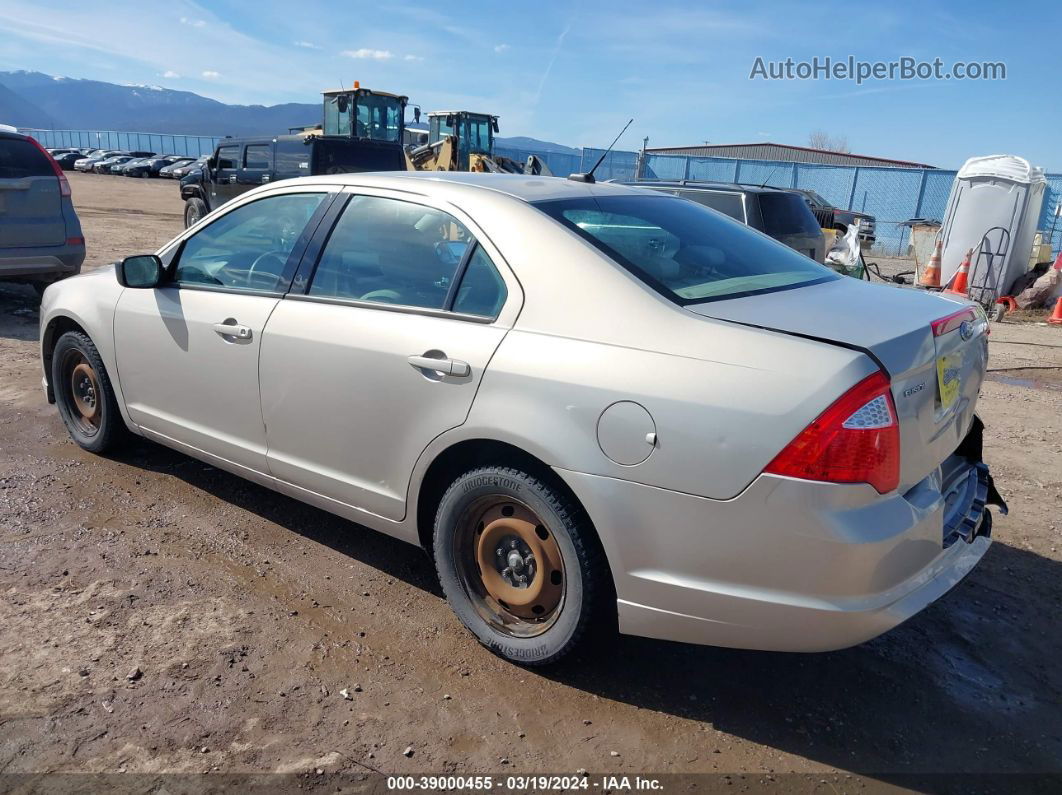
(510, 566)
(84, 390)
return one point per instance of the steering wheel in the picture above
(279, 256)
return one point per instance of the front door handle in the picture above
(454, 367)
(233, 330)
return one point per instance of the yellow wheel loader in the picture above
(459, 140)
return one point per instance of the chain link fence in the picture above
(891, 195)
(159, 143)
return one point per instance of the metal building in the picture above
(784, 153)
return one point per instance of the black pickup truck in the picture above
(239, 164)
(830, 217)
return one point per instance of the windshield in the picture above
(683, 250)
(475, 135)
(379, 118)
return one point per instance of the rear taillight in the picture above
(856, 440)
(64, 183)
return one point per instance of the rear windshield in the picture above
(20, 158)
(787, 214)
(683, 250)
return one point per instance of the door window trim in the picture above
(290, 266)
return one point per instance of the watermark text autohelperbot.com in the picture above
(853, 69)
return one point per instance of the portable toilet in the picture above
(993, 209)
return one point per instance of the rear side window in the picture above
(256, 156)
(20, 158)
(482, 290)
(227, 156)
(391, 252)
(727, 203)
(787, 214)
(683, 250)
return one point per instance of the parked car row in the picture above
(120, 162)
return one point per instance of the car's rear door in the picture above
(188, 350)
(381, 349)
(255, 166)
(30, 200)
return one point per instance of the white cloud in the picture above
(309, 45)
(413, 58)
(211, 75)
(500, 48)
(172, 75)
(195, 23)
(365, 52)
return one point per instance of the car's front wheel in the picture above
(84, 395)
(194, 211)
(520, 564)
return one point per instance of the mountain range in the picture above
(34, 99)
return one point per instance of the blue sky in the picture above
(574, 72)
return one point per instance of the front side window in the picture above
(683, 250)
(438, 128)
(249, 247)
(391, 252)
(256, 156)
(227, 156)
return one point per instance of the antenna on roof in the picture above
(764, 183)
(589, 175)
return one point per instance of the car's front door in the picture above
(188, 350)
(224, 173)
(383, 352)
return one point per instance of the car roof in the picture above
(524, 187)
(697, 184)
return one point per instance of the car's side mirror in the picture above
(141, 271)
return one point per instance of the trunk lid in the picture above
(936, 373)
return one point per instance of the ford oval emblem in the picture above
(966, 330)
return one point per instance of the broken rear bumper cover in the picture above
(788, 565)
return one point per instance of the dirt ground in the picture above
(157, 614)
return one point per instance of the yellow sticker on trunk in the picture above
(948, 378)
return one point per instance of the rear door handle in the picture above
(233, 330)
(454, 367)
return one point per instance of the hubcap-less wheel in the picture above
(85, 393)
(510, 566)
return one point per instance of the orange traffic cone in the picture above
(1056, 316)
(931, 274)
(960, 282)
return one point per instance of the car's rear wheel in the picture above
(194, 211)
(520, 564)
(84, 394)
